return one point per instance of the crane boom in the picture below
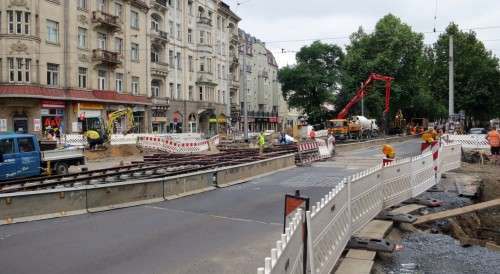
(361, 92)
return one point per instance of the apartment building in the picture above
(266, 105)
(194, 64)
(66, 64)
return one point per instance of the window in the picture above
(190, 36)
(135, 85)
(6, 146)
(209, 64)
(19, 22)
(82, 4)
(52, 31)
(82, 38)
(134, 52)
(202, 37)
(223, 48)
(179, 94)
(155, 90)
(101, 5)
(171, 28)
(27, 23)
(19, 70)
(223, 97)
(223, 72)
(25, 144)
(171, 88)
(178, 57)
(101, 40)
(82, 77)
(119, 10)
(101, 79)
(178, 32)
(209, 38)
(190, 7)
(155, 56)
(190, 95)
(202, 64)
(218, 22)
(134, 19)
(178, 4)
(119, 82)
(155, 25)
(190, 62)
(171, 58)
(218, 71)
(201, 94)
(118, 45)
(52, 74)
(10, 19)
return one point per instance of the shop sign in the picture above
(160, 119)
(52, 122)
(272, 119)
(212, 120)
(85, 114)
(138, 108)
(3, 125)
(53, 104)
(90, 105)
(37, 125)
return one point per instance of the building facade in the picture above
(259, 70)
(67, 64)
(193, 59)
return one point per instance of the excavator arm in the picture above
(112, 117)
(361, 92)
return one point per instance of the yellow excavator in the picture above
(103, 135)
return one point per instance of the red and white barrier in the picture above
(167, 144)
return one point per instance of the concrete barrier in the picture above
(242, 173)
(371, 143)
(38, 205)
(188, 184)
(118, 195)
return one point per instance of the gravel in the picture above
(440, 254)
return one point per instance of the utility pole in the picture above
(244, 90)
(451, 110)
(363, 106)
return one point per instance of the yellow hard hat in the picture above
(388, 151)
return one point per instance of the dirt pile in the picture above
(113, 152)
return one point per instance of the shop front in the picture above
(53, 117)
(222, 124)
(90, 117)
(139, 119)
(193, 125)
(159, 119)
(176, 123)
(212, 125)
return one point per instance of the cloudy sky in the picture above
(290, 24)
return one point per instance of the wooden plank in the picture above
(457, 211)
(361, 254)
(407, 209)
(355, 266)
(376, 229)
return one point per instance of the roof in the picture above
(102, 96)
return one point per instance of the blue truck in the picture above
(21, 156)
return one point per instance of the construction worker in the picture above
(312, 134)
(261, 142)
(93, 138)
(428, 136)
(493, 138)
(389, 153)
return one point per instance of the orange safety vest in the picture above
(493, 138)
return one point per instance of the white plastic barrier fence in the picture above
(474, 141)
(351, 205)
(167, 144)
(321, 133)
(325, 149)
(131, 139)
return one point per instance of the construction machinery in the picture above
(399, 124)
(342, 127)
(108, 127)
(419, 125)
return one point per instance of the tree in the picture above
(313, 80)
(393, 49)
(477, 75)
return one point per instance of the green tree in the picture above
(313, 80)
(477, 76)
(393, 49)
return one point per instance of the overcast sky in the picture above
(278, 21)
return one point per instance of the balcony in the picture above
(205, 78)
(205, 48)
(106, 20)
(235, 83)
(106, 57)
(159, 69)
(205, 21)
(159, 37)
(159, 5)
(235, 39)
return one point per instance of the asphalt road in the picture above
(228, 230)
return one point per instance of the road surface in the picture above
(228, 230)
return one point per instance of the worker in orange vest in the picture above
(493, 138)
